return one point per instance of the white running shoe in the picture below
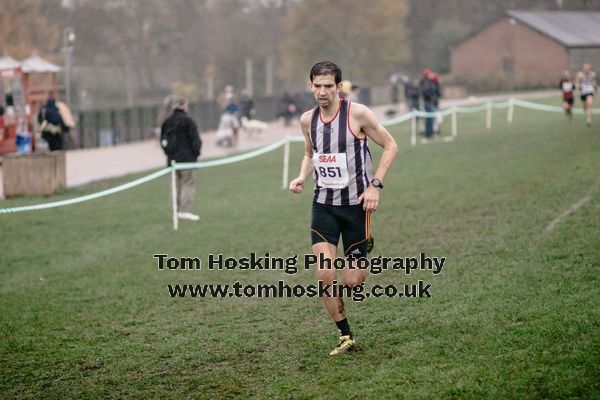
(189, 216)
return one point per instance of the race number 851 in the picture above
(332, 172)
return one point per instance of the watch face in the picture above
(377, 183)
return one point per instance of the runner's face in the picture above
(324, 89)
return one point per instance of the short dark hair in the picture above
(326, 68)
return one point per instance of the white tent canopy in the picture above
(33, 64)
(36, 64)
(7, 62)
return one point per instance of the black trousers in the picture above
(55, 141)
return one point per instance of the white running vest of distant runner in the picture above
(586, 84)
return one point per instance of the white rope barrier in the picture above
(411, 116)
(545, 107)
(88, 197)
(502, 104)
(231, 160)
(148, 178)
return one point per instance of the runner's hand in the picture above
(370, 199)
(297, 185)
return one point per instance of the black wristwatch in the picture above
(377, 183)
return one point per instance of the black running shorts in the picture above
(585, 96)
(351, 222)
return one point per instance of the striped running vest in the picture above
(335, 136)
(586, 84)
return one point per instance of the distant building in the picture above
(529, 48)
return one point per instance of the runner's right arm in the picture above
(306, 168)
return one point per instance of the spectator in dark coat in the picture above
(412, 93)
(428, 91)
(52, 125)
(288, 108)
(181, 143)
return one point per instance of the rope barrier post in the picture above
(488, 119)
(511, 110)
(413, 129)
(174, 194)
(286, 163)
(454, 122)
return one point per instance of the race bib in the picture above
(567, 86)
(331, 170)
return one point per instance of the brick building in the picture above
(529, 48)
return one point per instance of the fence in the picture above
(108, 127)
(115, 126)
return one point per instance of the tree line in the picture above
(151, 44)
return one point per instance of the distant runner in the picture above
(567, 86)
(586, 82)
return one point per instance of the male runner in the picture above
(346, 190)
(586, 82)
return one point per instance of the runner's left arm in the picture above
(376, 132)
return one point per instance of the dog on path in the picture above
(253, 126)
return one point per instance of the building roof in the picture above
(36, 64)
(571, 28)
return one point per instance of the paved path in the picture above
(88, 165)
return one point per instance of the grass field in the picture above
(85, 313)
